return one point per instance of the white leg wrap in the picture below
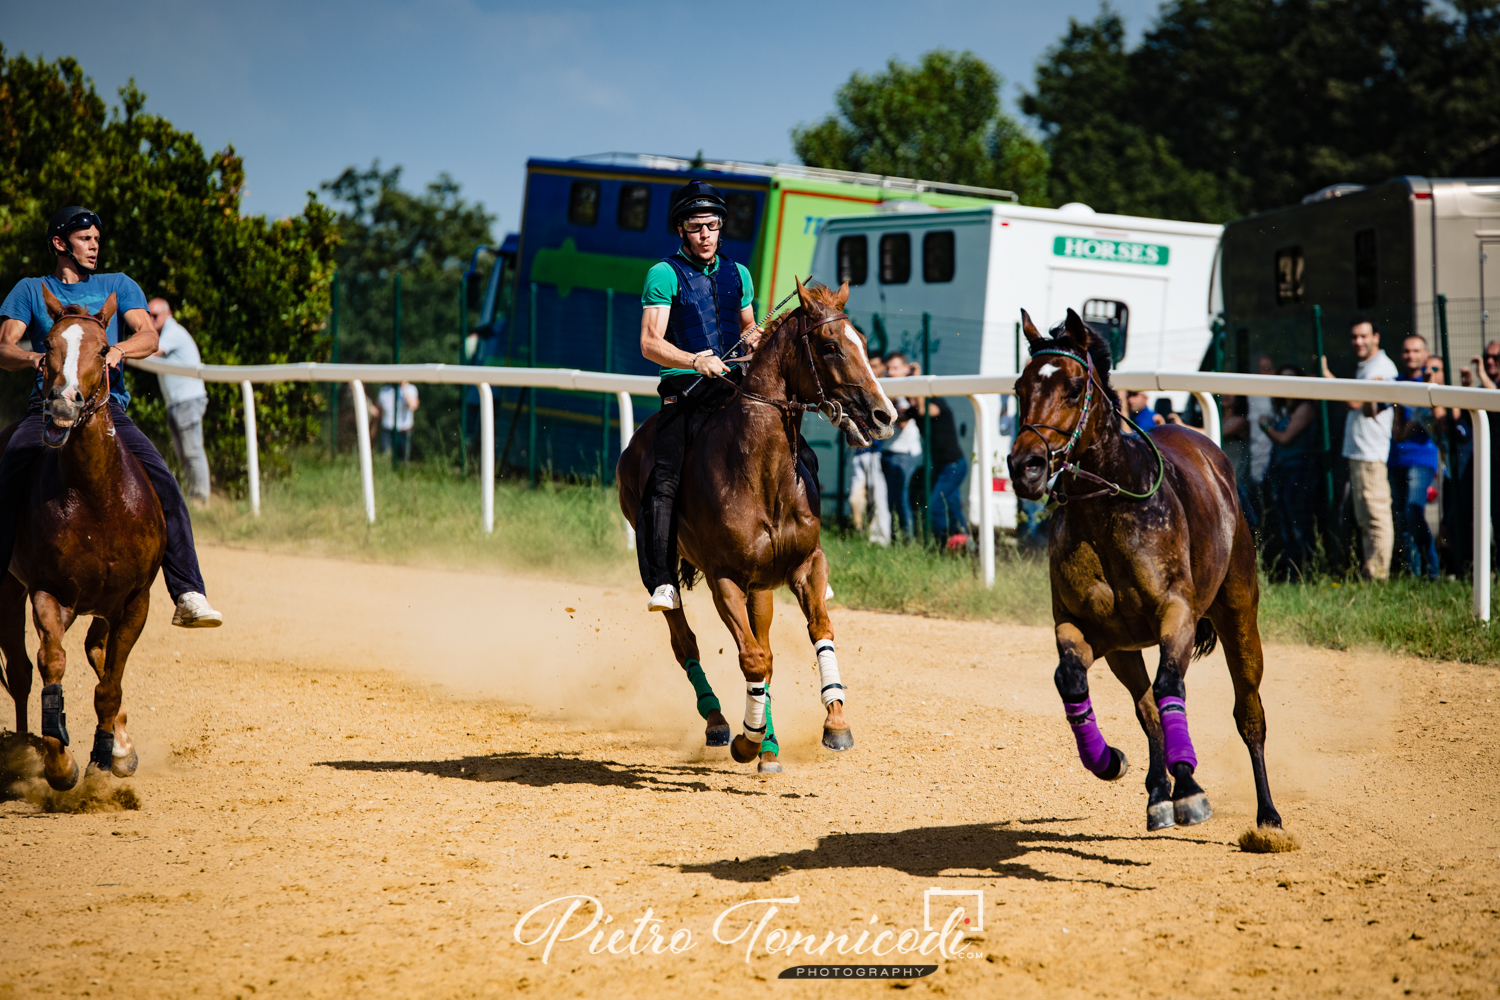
(756, 699)
(829, 683)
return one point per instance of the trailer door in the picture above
(1143, 296)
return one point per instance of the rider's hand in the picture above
(114, 357)
(709, 363)
(751, 337)
(38, 360)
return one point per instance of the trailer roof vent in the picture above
(1332, 191)
(1076, 208)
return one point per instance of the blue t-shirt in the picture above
(1419, 450)
(26, 304)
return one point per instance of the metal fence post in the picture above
(362, 436)
(1482, 500)
(1210, 408)
(983, 449)
(252, 447)
(486, 458)
(627, 431)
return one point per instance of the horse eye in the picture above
(831, 348)
(1074, 390)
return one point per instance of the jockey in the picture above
(73, 236)
(696, 308)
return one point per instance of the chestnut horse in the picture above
(748, 513)
(89, 541)
(1148, 548)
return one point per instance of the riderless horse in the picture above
(1148, 548)
(748, 512)
(89, 542)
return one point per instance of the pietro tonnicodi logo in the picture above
(766, 928)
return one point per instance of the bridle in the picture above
(1061, 455)
(98, 399)
(830, 408)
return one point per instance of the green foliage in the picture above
(940, 120)
(1229, 107)
(251, 290)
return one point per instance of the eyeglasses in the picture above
(697, 227)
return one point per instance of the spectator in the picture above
(1141, 414)
(867, 488)
(1367, 445)
(1413, 465)
(1292, 475)
(186, 399)
(945, 507)
(397, 434)
(903, 451)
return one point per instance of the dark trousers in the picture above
(179, 568)
(946, 508)
(1291, 483)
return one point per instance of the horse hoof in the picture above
(717, 736)
(64, 782)
(743, 751)
(769, 767)
(838, 739)
(1118, 766)
(1192, 809)
(124, 767)
(1160, 816)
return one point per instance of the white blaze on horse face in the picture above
(1047, 370)
(73, 337)
(859, 350)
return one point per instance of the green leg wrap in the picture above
(769, 744)
(708, 702)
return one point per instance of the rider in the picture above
(73, 236)
(696, 308)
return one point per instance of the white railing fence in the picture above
(981, 390)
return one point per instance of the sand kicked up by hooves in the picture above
(97, 791)
(1268, 840)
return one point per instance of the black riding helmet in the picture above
(694, 198)
(71, 219)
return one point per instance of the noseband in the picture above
(1061, 454)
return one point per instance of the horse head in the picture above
(835, 366)
(1063, 395)
(75, 382)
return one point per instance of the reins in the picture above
(1062, 454)
(830, 408)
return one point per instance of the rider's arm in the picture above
(654, 346)
(141, 343)
(12, 358)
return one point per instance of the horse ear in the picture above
(54, 307)
(108, 312)
(1029, 328)
(802, 293)
(1078, 331)
(842, 298)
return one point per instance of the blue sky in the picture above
(475, 87)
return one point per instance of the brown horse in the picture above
(1148, 548)
(89, 541)
(748, 513)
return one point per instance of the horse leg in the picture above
(113, 750)
(52, 620)
(685, 646)
(810, 584)
(1075, 656)
(761, 605)
(13, 645)
(1130, 667)
(755, 665)
(1178, 628)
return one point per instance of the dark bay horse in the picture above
(748, 512)
(89, 541)
(1148, 548)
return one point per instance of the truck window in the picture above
(1112, 319)
(1288, 275)
(937, 257)
(634, 210)
(583, 203)
(895, 258)
(1366, 269)
(854, 259)
(741, 222)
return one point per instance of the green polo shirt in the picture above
(661, 288)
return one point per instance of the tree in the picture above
(940, 120)
(252, 291)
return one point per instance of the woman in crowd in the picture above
(1292, 475)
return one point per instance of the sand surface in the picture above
(365, 780)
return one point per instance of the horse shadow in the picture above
(549, 770)
(983, 850)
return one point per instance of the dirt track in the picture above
(359, 785)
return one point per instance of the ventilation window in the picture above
(634, 210)
(937, 257)
(895, 258)
(1111, 319)
(583, 203)
(741, 222)
(854, 259)
(1288, 275)
(1366, 269)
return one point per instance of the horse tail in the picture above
(1205, 639)
(687, 574)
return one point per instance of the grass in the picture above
(429, 514)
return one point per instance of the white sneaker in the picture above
(664, 599)
(194, 611)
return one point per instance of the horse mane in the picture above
(1057, 339)
(818, 292)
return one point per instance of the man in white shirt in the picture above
(396, 415)
(1367, 446)
(186, 399)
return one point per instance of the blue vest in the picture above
(706, 309)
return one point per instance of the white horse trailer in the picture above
(951, 284)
